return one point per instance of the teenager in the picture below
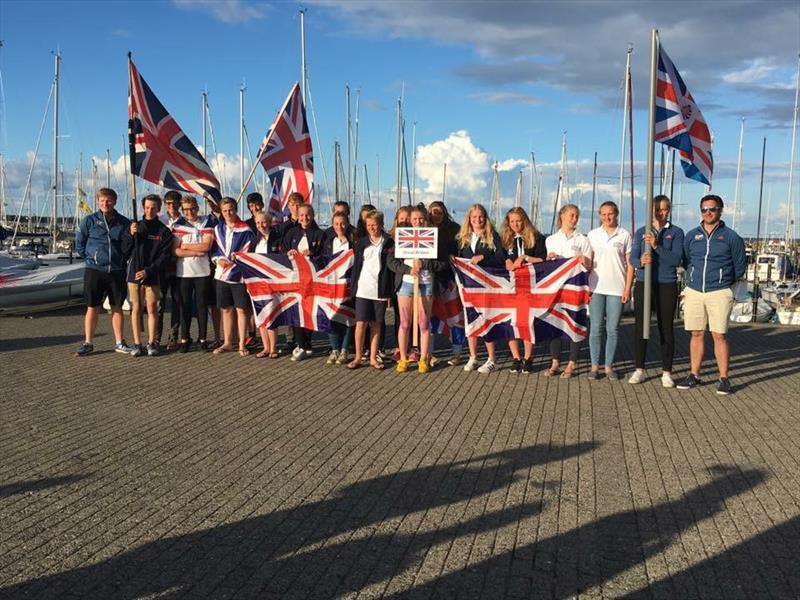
(524, 245)
(98, 242)
(402, 218)
(361, 226)
(149, 245)
(439, 217)
(305, 238)
(405, 271)
(567, 243)
(666, 254)
(479, 242)
(169, 282)
(293, 203)
(266, 242)
(341, 240)
(255, 204)
(370, 286)
(610, 286)
(231, 235)
(194, 237)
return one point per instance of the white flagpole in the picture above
(648, 215)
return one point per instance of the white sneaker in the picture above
(307, 353)
(487, 367)
(332, 357)
(471, 365)
(666, 380)
(637, 377)
(297, 354)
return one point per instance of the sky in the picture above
(484, 82)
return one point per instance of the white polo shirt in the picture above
(611, 252)
(568, 246)
(370, 271)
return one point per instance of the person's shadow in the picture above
(313, 550)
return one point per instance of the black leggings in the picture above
(194, 290)
(555, 349)
(302, 337)
(663, 302)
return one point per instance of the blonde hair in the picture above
(405, 209)
(564, 209)
(421, 210)
(465, 233)
(529, 233)
(374, 215)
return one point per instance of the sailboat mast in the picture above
(737, 194)
(594, 182)
(399, 151)
(790, 215)
(355, 147)
(444, 183)
(349, 151)
(562, 178)
(54, 207)
(108, 167)
(624, 124)
(414, 163)
(518, 194)
(303, 54)
(203, 98)
(496, 194)
(241, 138)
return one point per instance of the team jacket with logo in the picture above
(715, 261)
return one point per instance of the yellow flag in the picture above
(82, 201)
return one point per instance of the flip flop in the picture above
(551, 372)
(378, 366)
(222, 350)
(243, 351)
(263, 354)
(354, 365)
(274, 354)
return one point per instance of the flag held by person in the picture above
(163, 154)
(286, 153)
(533, 303)
(679, 122)
(298, 291)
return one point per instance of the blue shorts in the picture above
(407, 289)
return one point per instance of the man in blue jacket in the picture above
(715, 260)
(99, 243)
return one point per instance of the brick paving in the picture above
(199, 476)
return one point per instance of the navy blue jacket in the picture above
(713, 262)
(492, 258)
(384, 276)
(274, 242)
(667, 256)
(314, 234)
(99, 242)
(539, 249)
(150, 250)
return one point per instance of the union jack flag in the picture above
(227, 244)
(298, 291)
(679, 122)
(288, 158)
(536, 301)
(163, 153)
(415, 238)
(447, 311)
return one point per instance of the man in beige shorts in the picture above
(715, 260)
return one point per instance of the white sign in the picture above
(416, 242)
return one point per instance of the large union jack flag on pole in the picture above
(447, 311)
(535, 302)
(286, 153)
(298, 291)
(679, 122)
(163, 153)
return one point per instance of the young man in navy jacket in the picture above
(715, 260)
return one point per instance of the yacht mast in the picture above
(54, 207)
(737, 194)
(790, 214)
(624, 124)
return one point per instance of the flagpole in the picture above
(131, 141)
(263, 148)
(651, 140)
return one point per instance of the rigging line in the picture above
(27, 192)
(319, 146)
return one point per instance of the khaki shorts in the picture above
(144, 293)
(712, 309)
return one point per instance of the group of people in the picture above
(190, 258)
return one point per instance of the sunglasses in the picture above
(709, 209)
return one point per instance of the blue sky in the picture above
(483, 81)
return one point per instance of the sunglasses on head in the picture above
(709, 209)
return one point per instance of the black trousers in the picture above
(169, 285)
(195, 292)
(663, 301)
(555, 349)
(302, 337)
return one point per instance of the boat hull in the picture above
(45, 288)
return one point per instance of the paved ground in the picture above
(197, 476)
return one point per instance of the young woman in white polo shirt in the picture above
(567, 243)
(611, 289)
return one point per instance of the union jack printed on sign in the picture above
(163, 153)
(288, 158)
(679, 122)
(412, 242)
(534, 302)
(298, 291)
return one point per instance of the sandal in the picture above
(568, 372)
(354, 364)
(222, 350)
(263, 354)
(551, 372)
(378, 366)
(274, 355)
(243, 351)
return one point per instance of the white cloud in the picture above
(512, 164)
(227, 11)
(508, 98)
(467, 165)
(755, 71)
